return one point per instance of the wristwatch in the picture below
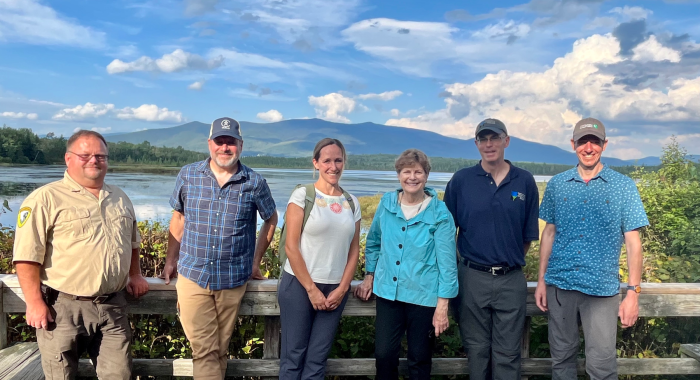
(637, 289)
(369, 274)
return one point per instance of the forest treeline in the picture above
(22, 146)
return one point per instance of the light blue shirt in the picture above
(413, 261)
(590, 219)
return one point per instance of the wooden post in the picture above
(3, 319)
(525, 347)
(271, 346)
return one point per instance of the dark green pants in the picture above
(491, 321)
(100, 329)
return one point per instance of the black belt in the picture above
(52, 294)
(495, 270)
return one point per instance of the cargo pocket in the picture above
(56, 366)
(76, 222)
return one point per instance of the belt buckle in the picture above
(100, 299)
(494, 269)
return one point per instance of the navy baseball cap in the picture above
(493, 125)
(225, 126)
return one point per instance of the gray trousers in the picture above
(102, 330)
(307, 334)
(598, 317)
(491, 320)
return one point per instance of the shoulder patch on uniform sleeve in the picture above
(23, 216)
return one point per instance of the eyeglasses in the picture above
(87, 157)
(492, 138)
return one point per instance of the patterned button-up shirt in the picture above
(590, 219)
(218, 243)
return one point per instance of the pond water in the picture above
(150, 193)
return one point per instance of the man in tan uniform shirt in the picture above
(76, 249)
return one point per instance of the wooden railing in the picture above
(656, 300)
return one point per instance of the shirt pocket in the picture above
(75, 222)
(246, 207)
(122, 223)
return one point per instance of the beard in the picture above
(95, 173)
(225, 163)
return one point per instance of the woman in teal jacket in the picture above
(411, 265)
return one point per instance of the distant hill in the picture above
(296, 138)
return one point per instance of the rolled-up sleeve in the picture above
(445, 252)
(373, 245)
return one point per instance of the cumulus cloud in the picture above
(178, 60)
(83, 112)
(270, 116)
(543, 106)
(31, 22)
(91, 111)
(199, 7)
(651, 50)
(196, 86)
(20, 115)
(333, 107)
(149, 112)
(385, 96)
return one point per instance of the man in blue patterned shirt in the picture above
(590, 211)
(213, 246)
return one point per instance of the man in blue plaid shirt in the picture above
(213, 246)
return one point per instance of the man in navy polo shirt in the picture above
(590, 210)
(494, 205)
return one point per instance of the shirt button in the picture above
(213, 246)
(398, 262)
(403, 228)
(492, 182)
(580, 235)
(400, 246)
(585, 201)
(579, 252)
(394, 278)
(211, 262)
(583, 218)
(219, 197)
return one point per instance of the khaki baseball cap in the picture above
(589, 126)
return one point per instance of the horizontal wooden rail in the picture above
(657, 299)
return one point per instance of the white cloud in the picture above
(101, 129)
(90, 111)
(178, 60)
(20, 115)
(652, 51)
(83, 112)
(543, 106)
(196, 85)
(503, 29)
(632, 13)
(333, 107)
(31, 22)
(271, 116)
(385, 96)
(149, 112)
(395, 112)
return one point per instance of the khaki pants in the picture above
(208, 318)
(100, 329)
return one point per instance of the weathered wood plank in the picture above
(690, 351)
(365, 367)
(21, 362)
(3, 323)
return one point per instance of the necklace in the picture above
(419, 207)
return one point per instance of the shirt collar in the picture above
(573, 174)
(78, 188)
(481, 172)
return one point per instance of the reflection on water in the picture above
(150, 193)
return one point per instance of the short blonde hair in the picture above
(410, 157)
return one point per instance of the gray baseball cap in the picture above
(589, 126)
(494, 125)
(225, 126)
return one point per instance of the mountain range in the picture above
(297, 137)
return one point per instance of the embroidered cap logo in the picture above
(225, 124)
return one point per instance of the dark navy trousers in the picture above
(307, 334)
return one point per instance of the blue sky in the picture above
(539, 66)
